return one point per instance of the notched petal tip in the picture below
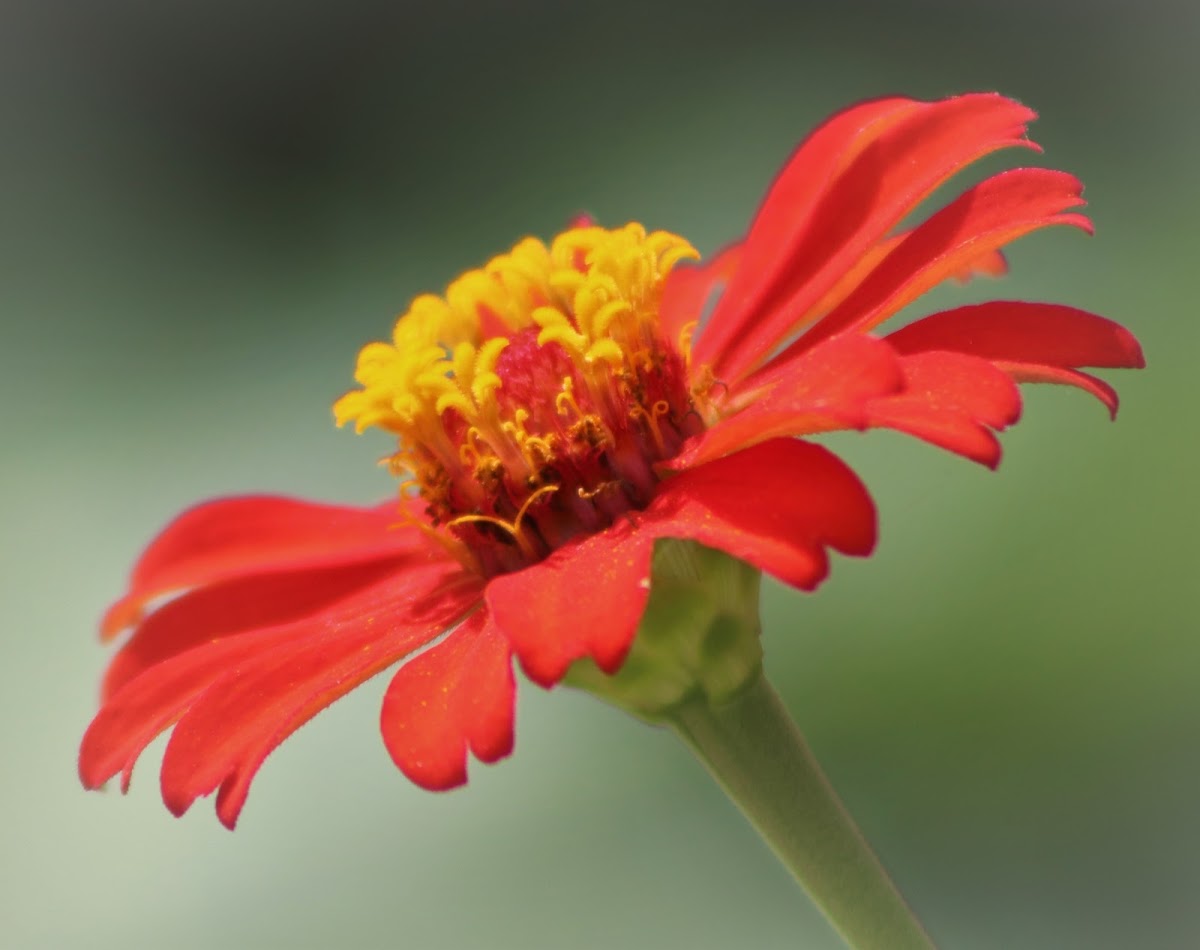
(841, 193)
(455, 698)
(585, 600)
(1032, 342)
(954, 401)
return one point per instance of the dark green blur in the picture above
(208, 207)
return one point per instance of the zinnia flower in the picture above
(561, 409)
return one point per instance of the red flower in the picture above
(556, 412)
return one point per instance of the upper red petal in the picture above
(263, 534)
(776, 505)
(982, 220)
(853, 181)
(233, 607)
(987, 262)
(457, 695)
(1022, 332)
(779, 230)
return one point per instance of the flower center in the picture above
(532, 401)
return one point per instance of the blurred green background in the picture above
(209, 206)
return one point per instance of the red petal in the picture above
(776, 505)
(989, 263)
(1034, 342)
(953, 401)
(236, 606)
(840, 194)
(264, 534)
(982, 220)
(827, 387)
(1021, 332)
(1035, 373)
(225, 736)
(241, 696)
(457, 695)
(778, 233)
(586, 599)
(689, 287)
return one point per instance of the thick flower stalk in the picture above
(561, 409)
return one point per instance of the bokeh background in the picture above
(209, 206)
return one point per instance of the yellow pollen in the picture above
(602, 315)
(523, 377)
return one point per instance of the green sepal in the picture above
(699, 635)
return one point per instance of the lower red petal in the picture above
(236, 699)
(776, 505)
(586, 599)
(457, 695)
(1033, 342)
(1040, 373)
(232, 607)
(1021, 332)
(953, 401)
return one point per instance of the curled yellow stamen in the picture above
(564, 402)
(484, 430)
(512, 527)
(659, 409)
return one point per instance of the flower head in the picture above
(558, 411)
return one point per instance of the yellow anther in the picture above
(607, 350)
(609, 312)
(676, 254)
(462, 363)
(593, 291)
(453, 399)
(562, 333)
(489, 354)
(566, 280)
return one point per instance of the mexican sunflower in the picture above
(560, 410)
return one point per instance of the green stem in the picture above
(758, 755)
